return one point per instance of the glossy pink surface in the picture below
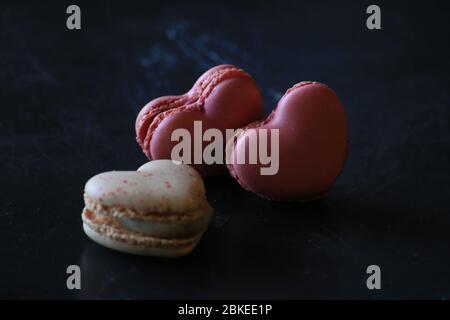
(312, 150)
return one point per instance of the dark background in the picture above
(68, 104)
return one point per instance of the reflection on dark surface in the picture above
(109, 274)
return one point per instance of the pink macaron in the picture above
(224, 97)
(313, 143)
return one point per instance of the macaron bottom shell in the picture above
(116, 237)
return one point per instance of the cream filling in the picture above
(167, 229)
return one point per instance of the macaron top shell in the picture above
(158, 187)
(192, 100)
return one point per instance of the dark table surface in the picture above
(68, 104)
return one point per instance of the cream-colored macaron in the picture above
(159, 210)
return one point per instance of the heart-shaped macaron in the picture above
(159, 210)
(313, 138)
(224, 97)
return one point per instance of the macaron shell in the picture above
(211, 73)
(313, 146)
(165, 103)
(157, 187)
(151, 110)
(126, 246)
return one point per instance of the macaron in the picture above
(159, 210)
(312, 147)
(224, 97)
